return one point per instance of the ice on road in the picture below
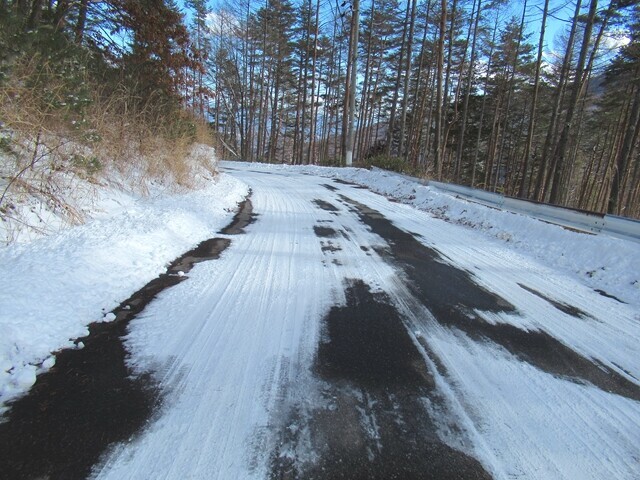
(347, 336)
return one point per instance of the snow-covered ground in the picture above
(602, 262)
(239, 365)
(250, 321)
(52, 287)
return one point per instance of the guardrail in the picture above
(590, 222)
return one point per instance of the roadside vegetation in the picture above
(93, 92)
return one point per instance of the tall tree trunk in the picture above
(313, 113)
(353, 82)
(263, 92)
(492, 145)
(510, 94)
(447, 79)
(522, 193)
(467, 93)
(396, 89)
(301, 98)
(372, 117)
(633, 199)
(405, 90)
(557, 191)
(415, 131)
(630, 139)
(365, 108)
(438, 156)
(544, 173)
(598, 177)
(275, 113)
(347, 94)
(305, 77)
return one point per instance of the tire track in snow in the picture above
(453, 297)
(258, 309)
(253, 333)
(359, 419)
(372, 423)
(515, 410)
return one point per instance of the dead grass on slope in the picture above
(55, 137)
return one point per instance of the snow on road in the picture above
(605, 263)
(51, 288)
(227, 339)
(533, 424)
(537, 377)
(343, 334)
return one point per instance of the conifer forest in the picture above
(537, 99)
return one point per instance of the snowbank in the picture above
(52, 287)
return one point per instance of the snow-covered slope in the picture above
(53, 286)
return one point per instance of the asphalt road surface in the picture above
(329, 333)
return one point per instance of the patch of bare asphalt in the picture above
(327, 206)
(324, 232)
(242, 219)
(452, 295)
(330, 187)
(608, 295)
(563, 307)
(372, 422)
(90, 400)
(329, 246)
(351, 184)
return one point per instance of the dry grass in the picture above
(46, 131)
(131, 138)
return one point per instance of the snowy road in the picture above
(328, 342)
(341, 335)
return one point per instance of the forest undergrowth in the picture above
(71, 122)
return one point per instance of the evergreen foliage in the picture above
(88, 84)
(459, 90)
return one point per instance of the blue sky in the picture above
(561, 12)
